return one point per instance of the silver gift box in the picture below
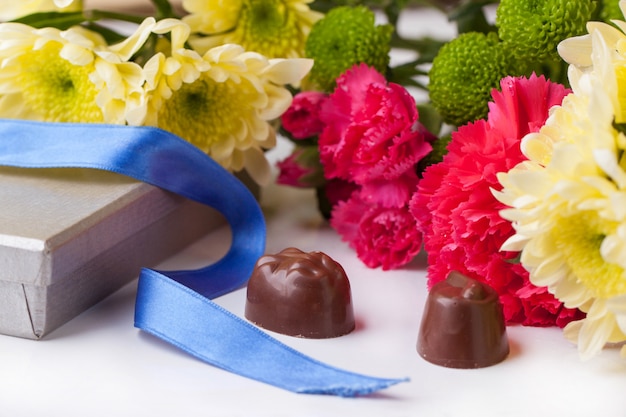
(70, 237)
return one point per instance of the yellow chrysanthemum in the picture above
(223, 101)
(274, 28)
(119, 81)
(45, 74)
(168, 69)
(568, 201)
(68, 76)
(10, 10)
(577, 52)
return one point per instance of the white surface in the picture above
(100, 365)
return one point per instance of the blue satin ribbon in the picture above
(176, 305)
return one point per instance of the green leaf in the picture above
(405, 74)
(86, 18)
(59, 20)
(163, 9)
(426, 47)
(516, 260)
(469, 17)
(430, 118)
(323, 204)
(620, 127)
(440, 149)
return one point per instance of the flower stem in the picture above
(427, 47)
(95, 15)
(163, 9)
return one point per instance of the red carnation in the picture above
(455, 209)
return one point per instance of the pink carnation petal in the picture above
(394, 193)
(522, 104)
(382, 237)
(372, 132)
(302, 118)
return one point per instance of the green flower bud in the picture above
(463, 74)
(532, 29)
(344, 37)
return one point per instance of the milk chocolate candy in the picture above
(300, 294)
(462, 325)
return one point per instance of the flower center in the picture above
(578, 238)
(269, 27)
(55, 90)
(206, 112)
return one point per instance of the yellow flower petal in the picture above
(257, 165)
(212, 16)
(282, 71)
(576, 50)
(129, 47)
(594, 333)
(613, 248)
(617, 305)
(10, 10)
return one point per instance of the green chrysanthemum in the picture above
(344, 37)
(532, 29)
(463, 74)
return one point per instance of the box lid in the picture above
(48, 211)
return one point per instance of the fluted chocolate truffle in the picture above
(462, 325)
(300, 294)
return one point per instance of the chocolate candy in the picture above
(300, 294)
(463, 325)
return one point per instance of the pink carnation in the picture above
(386, 237)
(372, 136)
(459, 216)
(373, 140)
(302, 118)
(292, 172)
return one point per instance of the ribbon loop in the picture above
(176, 306)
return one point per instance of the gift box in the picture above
(70, 237)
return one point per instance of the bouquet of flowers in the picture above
(392, 179)
(65, 64)
(512, 172)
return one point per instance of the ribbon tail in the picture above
(177, 306)
(216, 336)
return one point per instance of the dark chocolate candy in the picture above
(462, 325)
(300, 294)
